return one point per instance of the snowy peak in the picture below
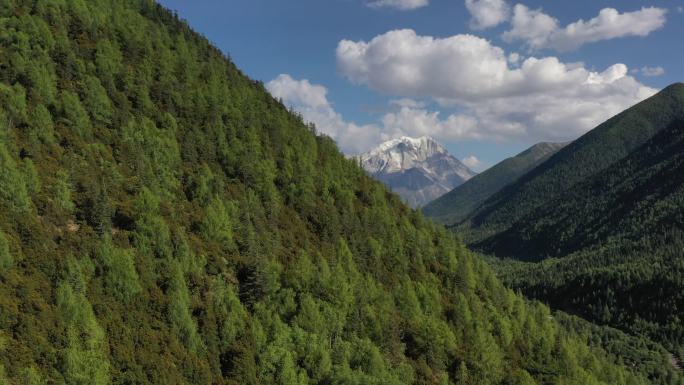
(418, 169)
(401, 154)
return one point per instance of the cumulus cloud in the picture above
(472, 163)
(409, 117)
(311, 101)
(404, 5)
(514, 58)
(412, 121)
(407, 102)
(531, 25)
(541, 99)
(540, 30)
(650, 71)
(487, 13)
(298, 92)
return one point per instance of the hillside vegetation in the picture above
(585, 157)
(609, 247)
(634, 286)
(455, 206)
(641, 195)
(163, 220)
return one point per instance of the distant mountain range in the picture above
(417, 169)
(454, 206)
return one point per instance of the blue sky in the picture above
(444, 69)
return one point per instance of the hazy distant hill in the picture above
(454, 206)
(417, 169)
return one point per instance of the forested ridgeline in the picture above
(582, 159)
(608, 245)
(617, 237)
(163, 220)
(454, 207)
(638, 196)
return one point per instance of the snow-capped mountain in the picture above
(418, 169)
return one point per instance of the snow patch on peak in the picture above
(399, 162)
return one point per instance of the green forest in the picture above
(641, 195)
(594, 152)
(454, 206)
(164, 220)
(634, 286)
(608, 245)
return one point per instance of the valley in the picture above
(605, 243)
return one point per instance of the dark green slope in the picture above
(635, 286)
(639, 196)
(588, 155)
(624, 231)
(454, 206)
(163, 220)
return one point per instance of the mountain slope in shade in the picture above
(642, 195)
(454, 206)
(586, 156)
(617, 242)
(417, 169)
(609, 248)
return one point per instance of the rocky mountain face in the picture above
(417, 169)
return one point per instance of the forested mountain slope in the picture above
(619, 237)
(634, 286)
(641, 195)
(454, 206)
(164, 220)
(583, 158)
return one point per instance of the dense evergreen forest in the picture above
(619, 234)
(587, 156)
(163, 220)
(639, 195)
(454, 206)
(634, 286)
(608, 246)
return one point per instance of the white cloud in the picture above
(407, 102)
(542, 99)
(417, 122)
(298, 92)
(514, 58)
(650, 71)
(487, 13)
(533, 26)
(472, 163)
(410, 118)
(539, 30)
(680, 9)
(404, 5)
(310, 100)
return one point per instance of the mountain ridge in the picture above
(608, 247)
(591, 153)
(454, 206)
